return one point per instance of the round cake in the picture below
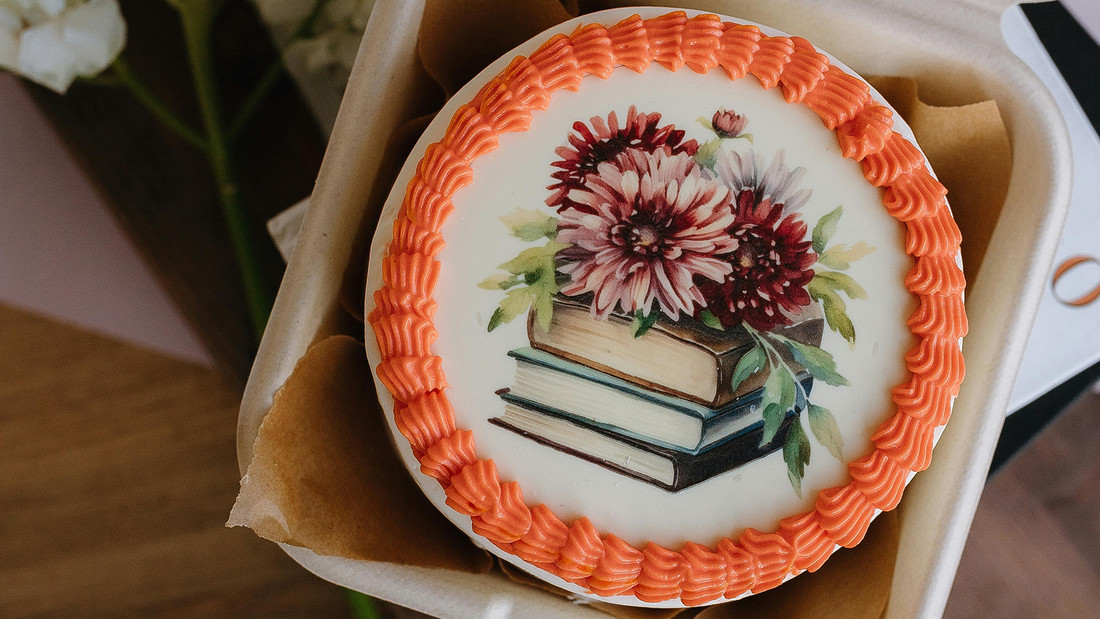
(665, 308)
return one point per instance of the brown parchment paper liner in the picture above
(325, 475)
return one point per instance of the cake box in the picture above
(1001, 299)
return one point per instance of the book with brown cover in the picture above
(684, 358)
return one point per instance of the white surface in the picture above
(1087, 13)
(1065, 340)
(957, 49)
(62, 254)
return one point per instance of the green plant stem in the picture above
(770, 351)
(197, 17)
(125, 76)
(271, 76)
(362, 606)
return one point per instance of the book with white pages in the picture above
(572, 390)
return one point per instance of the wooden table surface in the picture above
(117, 472)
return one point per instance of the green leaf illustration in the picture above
(841, 282)
(779, 395)
(708, 152)
(706, 123)
(535, 258)
(836, 315)
(516, 301)
(751, 363)
(642, 323)
(819, 363)
(796, 453)
(842, 256)
(710, 320)
(826, 228)
(544, 307)
(500, 281)
(536, 268)
(826, 431)
(531, 225)
(496, 319)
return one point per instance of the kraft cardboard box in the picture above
(954, 51)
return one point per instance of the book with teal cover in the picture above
(573, 390)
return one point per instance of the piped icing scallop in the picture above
(625, 317)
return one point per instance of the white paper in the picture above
(1065, 340)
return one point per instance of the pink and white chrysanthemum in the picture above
(777, 185)
(645, 225)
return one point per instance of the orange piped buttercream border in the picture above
(604, 564)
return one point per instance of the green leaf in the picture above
(544, 307)
(706, 123)
(825, 228)
(796, 453)
(773, 418)
(642, 322)
(496, 320)
(836, 315)
(531, 225)
(826, 431)
(533, 259)
(779, 395)
(750, 363)
(842, 256)
(516, 301)
(500, 281)
(710, 320)
(819, 363)
(842, 282)
(708, 153)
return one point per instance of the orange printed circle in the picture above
(1068, 265)
(602, 563)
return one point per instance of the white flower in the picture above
(777, 185)
(334, 41)
(53, 42)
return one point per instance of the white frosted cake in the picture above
(665, 308)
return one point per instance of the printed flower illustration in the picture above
(777, 185)
(771, 265)
(669, 234)
(770, 268)
(52, 42)
(605, 141)
(646, 225)
(728, 124)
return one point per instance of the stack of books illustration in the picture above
(660, 408)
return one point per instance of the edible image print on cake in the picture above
(675, 298)
(695, 252)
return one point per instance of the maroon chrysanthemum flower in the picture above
(603, 142)
(772, 262)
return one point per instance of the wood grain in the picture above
(117, 472)
(1034, 548)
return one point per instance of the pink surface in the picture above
(61, 252)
